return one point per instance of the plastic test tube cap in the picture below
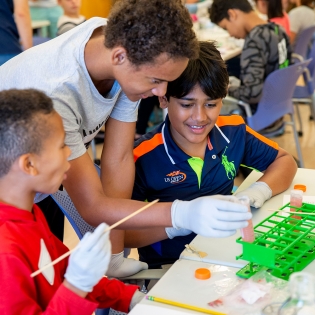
(300, 187)
(202, 273)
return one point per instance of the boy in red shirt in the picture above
(33, 158)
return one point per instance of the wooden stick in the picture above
(305, 213)
(34, 274)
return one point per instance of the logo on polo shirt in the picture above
(175, 177)
(228, 166)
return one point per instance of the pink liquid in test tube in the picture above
(296, 200)
(247, 233)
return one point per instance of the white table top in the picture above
(227, 45)
(179, 284)
(223, 251)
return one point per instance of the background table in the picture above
(39, 25)
(223, 251)
(228, 46)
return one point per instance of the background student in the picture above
(33, 159)
(71, 15)
(97, 73)
(195, 152)
(266, 48)
(301, 17)
(274, 12)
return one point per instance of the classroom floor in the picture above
(286, 141)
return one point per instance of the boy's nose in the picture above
(199, 113)
(160, 90)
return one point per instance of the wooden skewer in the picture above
(34, 274)
(303, 213)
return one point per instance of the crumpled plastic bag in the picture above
(252, 295)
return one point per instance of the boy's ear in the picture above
(232, 15)
(163, 102)
(119, 55)
(26, 164)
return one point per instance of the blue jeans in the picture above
(6, 57)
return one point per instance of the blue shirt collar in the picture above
(176, 155)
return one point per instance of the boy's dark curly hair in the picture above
(208, 71)
(23, 126)
(148, 28)
(219, 9)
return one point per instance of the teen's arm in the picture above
(144, 237)
(85, 189)
(117, 164)
(23, 22)
(283, 167)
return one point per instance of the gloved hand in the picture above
(172, 232)
(210, 216)
(225, 197)
(89, 262)
(257, 193)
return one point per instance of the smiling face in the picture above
(192, 118)
(149, 79)
(52, 163)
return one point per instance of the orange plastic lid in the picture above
(300, 187)
(202, 273)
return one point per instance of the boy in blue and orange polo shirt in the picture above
(195, 152)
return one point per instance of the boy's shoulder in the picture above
(264, 31)
(230, 120)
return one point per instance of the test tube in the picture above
(296, 200)
(247, 233)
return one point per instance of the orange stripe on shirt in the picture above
(147, 146)
(233, 120)
(271, 143)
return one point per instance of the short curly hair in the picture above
(148, 28)
(23, 126)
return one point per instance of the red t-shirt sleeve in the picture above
(114, 294)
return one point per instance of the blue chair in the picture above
(305, 94)
(276, 102)
(303, 42)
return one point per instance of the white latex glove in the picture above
(89, 262)
(257, 193)
(136, 298)
(210, 216)
(172, 232)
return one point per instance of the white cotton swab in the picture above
(34, 274)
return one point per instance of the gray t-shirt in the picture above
(58, 68)
(301, 18)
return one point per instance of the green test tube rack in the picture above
(284, 243)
